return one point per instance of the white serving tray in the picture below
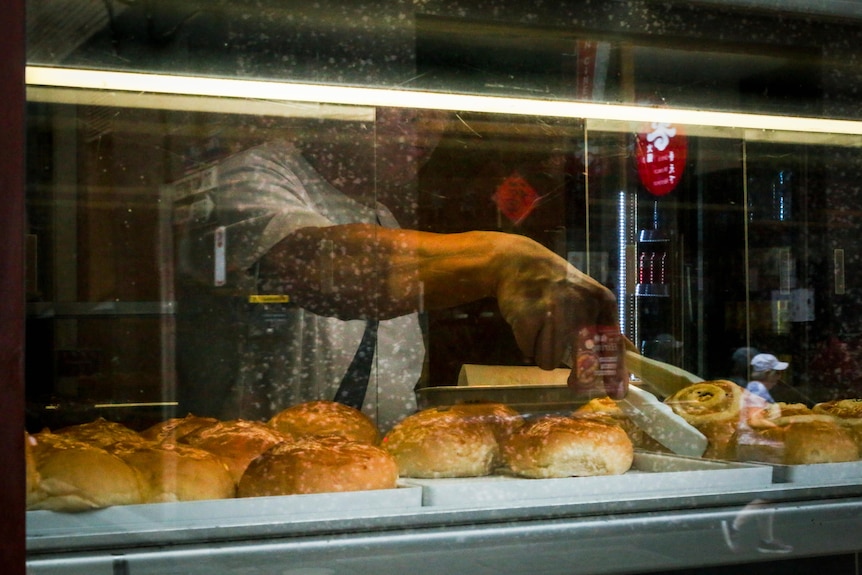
(222, 512)
(818, 474)
(652, 475)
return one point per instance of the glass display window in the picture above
(618, 217)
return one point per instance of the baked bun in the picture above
(100, 432)
(847, 413)
(443, 442)
(818, 441)
(793, 409)
(319, 465)
(176, 472)
(176, 428)
(322, 418)
(607, 410)
(236, 442)
(77, 476)
(33, 479)
(557, 446)
(793, 435)
(502, 419)
(842, 408)
(714, 408)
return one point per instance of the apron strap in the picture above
(353, 386)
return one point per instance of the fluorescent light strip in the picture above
(181, 102)
(257, 90)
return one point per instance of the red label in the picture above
(660, 152)
(515, 197)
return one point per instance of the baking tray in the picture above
(523, 398)
(155, 517)
(652, 475)
(818, 474)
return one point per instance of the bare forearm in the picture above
(365, 271)
(361, 270)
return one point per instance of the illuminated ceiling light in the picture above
(297, 99)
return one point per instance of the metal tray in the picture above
(652, 475)
(523, 398)
(818, 474)
(44, 526)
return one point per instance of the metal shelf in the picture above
(51, 310)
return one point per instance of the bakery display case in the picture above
(699, 167)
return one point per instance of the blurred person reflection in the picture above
(740, 365)
(762, 512)
(766, 372)
(310, 219)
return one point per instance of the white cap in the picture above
(767, 362)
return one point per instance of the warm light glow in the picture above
(137, 404)
(294, 99)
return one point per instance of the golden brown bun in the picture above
(779, 413)
(502, 419)
(322, 418)
(714, 408)
(236, 442)
(176, 428)
(798, 438)
(100, 432)
(556, 446)
(76, 476)
(176, 472)
(442, 442)
(818, 442)
(607, 410)
(848, 413)
(33, 479)
(319, 465)
(791, 409)
(843, 408)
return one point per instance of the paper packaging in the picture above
(488, 375)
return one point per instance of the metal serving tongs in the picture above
(657, 419)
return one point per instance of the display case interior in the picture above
(701, 172)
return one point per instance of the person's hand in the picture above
(555, 310)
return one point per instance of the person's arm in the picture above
(361, 270)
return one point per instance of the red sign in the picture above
(515, 197)
(661, 151)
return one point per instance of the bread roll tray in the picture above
(43, 526)
(652, 475)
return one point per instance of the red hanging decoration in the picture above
(660, 152)
(515, 197)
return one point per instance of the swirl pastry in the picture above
(714, 408)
